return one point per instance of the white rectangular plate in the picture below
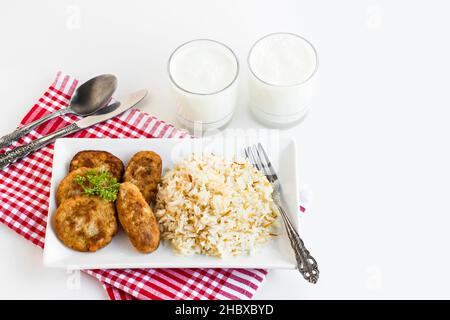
(276, 253)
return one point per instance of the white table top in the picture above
(374, 148)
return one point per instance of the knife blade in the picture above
(107, 113)
(125, 104)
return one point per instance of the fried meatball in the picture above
(85, 223)
(102, 160)
(68, 188)
(144, 170)
(137, 218)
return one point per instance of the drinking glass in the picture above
(203, 75)
(282, 78)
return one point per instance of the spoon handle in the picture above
(23, 130)
(18, 153)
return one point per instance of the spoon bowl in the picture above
(93, 95)
(88, 98)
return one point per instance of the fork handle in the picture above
(306, 264)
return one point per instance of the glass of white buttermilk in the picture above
(282, 78)
(203, 76)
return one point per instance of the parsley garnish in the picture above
(99, 183)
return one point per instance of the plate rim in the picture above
(58, 264)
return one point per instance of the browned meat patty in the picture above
(68, 188)
(85, 223)
(137, 218)
(102, 160)
(144, 170)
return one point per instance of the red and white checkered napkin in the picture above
(25, 190)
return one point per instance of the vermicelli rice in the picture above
(217, 207)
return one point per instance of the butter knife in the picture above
(104, 114)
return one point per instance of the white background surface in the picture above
(374, 148)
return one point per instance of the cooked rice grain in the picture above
(213, 206)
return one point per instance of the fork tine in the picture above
(261, 162)
(263, 165)
(248, 152)
(254, 156)
(257, 160)
(269, 164)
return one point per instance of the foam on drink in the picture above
(283, 59)
(203, 67)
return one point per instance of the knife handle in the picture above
(18, 153)
(23, 130)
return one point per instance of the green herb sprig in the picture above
(99, 183)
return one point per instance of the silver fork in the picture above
(306, 264)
